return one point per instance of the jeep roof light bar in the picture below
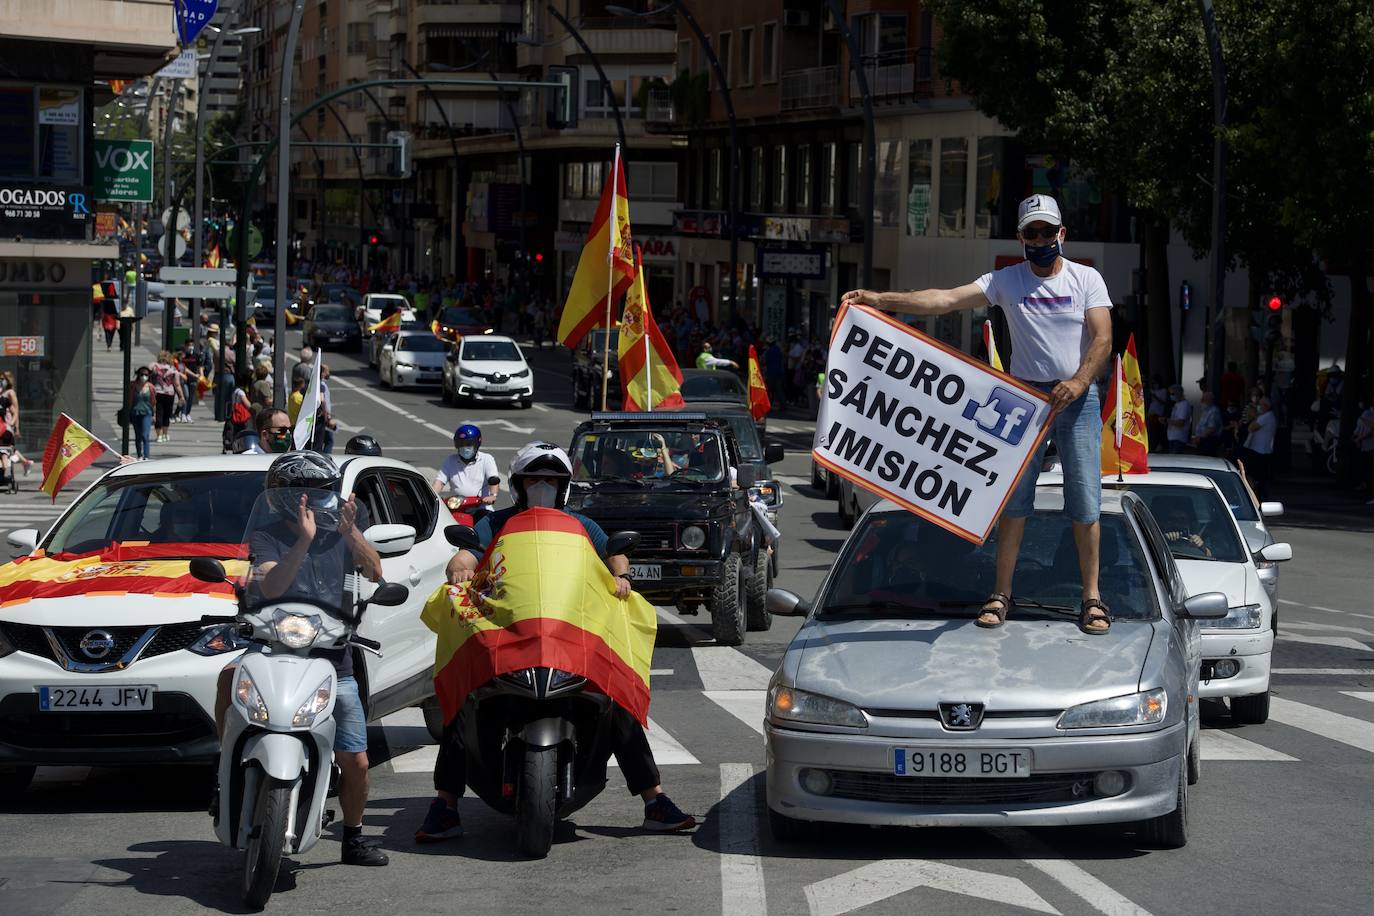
(653, 416)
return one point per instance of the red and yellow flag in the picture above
(990, 344)
(128, 568)
(1124, 446)
(117, 86)
(759, 404)
(541, 597)
(212, 256)
(388, 324)
(606, 266)
(649, 374)
(71, 449)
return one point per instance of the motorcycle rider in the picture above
(467, 471)
(278, 559)
(540, 476)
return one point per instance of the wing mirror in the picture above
(391, 540)
(1276, 553)
(24, 540)
(389, 594)
(463, 536)
(1271, 510)
(772, 452)
(622, 542)
(783, 603)
(208, 569)
(1207, 606)
(745, 476)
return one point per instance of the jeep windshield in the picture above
(649, 456)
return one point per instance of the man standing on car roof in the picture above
(1061, 334)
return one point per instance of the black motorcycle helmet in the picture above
(363, 444)
(305, 471)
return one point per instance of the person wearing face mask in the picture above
(272, 427)
(469, 470)
(1059, 315)
(540, 476)
(141, 412)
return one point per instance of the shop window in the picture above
(953, 185)
(572, 180)
(995, 198)
(595, 173)
(41, 133)
(918, 178)
(652, 180)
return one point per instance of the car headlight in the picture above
(1144, 708)
(787, 704)
(247, 694)
(1265, 564)
(693, 537)
(466, 372)
(295, 631)
(402, 364)
(217, 640)
(305, 716)
(1246, 617)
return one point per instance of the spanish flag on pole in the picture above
(1124, 446)
(606, 266)
(759, 404)
(71, 449)
(387, 325)
(649, 374)
(541, 597)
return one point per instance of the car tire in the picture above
(1251, 710)
(847, 511)
(526, 403)
(1195, 761)
(1170, 831)
(728, 604)
(789, 829)
(817, 477)
(757, 617)
(14, 780)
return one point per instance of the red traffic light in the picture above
(539, 255)
(372, 239)
(1275, 304)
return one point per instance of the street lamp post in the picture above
(1216, 306)
(170, 229)
(288, 59)
(870, 138)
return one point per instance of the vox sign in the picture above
(124, 170)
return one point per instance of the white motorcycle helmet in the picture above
(540, 459)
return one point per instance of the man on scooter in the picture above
(469, 470)
(540, 476)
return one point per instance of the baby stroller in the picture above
(9, 480)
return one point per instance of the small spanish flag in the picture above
(759, 404)
(387, 325)
(434, 327)
(71, 449)
(212, 257)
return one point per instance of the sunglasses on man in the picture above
(1048, 232)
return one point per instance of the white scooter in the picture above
(277, 751)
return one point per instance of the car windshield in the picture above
(1195, 522)
(454, 315)
(378, 303)
(712, 386)
(332, 314)
(490, 350)
(747, 434)
(598, 342)
(1233, 489)
(897, 563)
(645, 456)
(420, 343)
(168, 509)
(282, 518)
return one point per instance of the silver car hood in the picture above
(1023, 665)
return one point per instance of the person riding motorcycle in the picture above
(277, 560)
(540, 477)
(469, 470)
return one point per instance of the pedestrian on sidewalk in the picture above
(9, 453)
(241, 407)
(1207, 429)
(1364, 441)
(9, 401)
(261, 393)
(141, 400)
(1180, 420)
(164, 388)
(1259, 447)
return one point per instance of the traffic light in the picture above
(1275, 304)
(400, 154)
(562, 103)
(538, 256)
(374, 240)
(1275, 325)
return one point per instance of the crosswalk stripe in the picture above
(1328, 672)
(1224, 745)
(1348, 730)
(1366, 695)
(1335, 642)
(745, 705)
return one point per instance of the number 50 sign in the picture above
(21, 346)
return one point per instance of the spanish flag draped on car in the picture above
(127, 568)
(541, 597)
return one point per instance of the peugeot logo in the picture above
(961, 716)
(97, 644)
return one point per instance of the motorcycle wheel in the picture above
(262, 858)
(534, 802)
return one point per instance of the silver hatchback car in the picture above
(892, 708)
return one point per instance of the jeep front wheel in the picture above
(756, 591)
(728, 604)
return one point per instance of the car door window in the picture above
(409, 505)
(1160, 556)
(369, 492)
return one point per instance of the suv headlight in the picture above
(295, 631)
(305, 716)
(217, 640)
(523, 373)
(246, 692)
(788, 704)
(1246, 617)
(1144, 708)
(693, 537)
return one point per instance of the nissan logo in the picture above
(97, 644)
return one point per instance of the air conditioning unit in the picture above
(796, 19)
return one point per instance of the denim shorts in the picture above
(350, 722)
(1077, 435)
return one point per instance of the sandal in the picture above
(1086, 617)
(1000, 613)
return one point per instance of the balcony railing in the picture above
(659, 108)
(908, 73)
(815, 87)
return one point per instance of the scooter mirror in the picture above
(207, 569)
(390, 594)
(462, 536)
(622, 542)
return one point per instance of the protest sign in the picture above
(924, 425)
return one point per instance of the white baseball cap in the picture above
(1038, 207)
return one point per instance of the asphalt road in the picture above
(1279, 822)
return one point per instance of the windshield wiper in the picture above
(629, 481)
(1015, 603)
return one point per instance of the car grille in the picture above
(173, 637)
(656, 537)
(884, 787)
(124, 639)
(174, 719)
(170, 637)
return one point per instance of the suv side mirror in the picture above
(745, 476)
(622, 542)
(24, 540)
(207, 569)
(1276, 553)
(464, 536)
(783, 603)
(1207, 606)
(772, 452)
(1271, 510)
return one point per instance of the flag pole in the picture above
(1120, 378)
(644, 324)
(611, 238)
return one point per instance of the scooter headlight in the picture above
(295, 631)
(319, 700)
(246, 692)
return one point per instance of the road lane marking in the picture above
(1366, 695)
(1356, 733)
(1093, 891)
(878, 881)
(723, 667)
(1331, 672)
(745, 705)
(742, 890)
(1218, 744)
(541, 408)
(1335, 642)
(1333, 627)
(668, 751)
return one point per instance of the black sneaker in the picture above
(358, 851)
(663, 816)
(441, 823)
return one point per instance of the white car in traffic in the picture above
(106, 655)
(411, 358)
(370, 312)
(487, 367)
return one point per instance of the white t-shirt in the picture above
(463, 479)
(1046, 316)
(1182, 411)
(1262, 439)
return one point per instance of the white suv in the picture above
(108, 661)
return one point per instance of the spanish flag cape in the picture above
(541, 597)
(122, 568)
(759, 404)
